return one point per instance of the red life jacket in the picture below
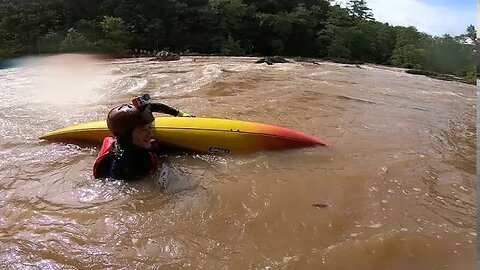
(108, 148)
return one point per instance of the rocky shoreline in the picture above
(438, 76)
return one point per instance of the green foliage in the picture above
(408, 56)
(231, 47)
(108, 46)
(447, 55)
(74, 42)
(3, 53)
(471, 34)
(90, 29)
(310, 28)
(50, 42)
(410, 49)
(155, 34)
(471, 75)
(359, 10)
(383, 44)
(333, 40)
(229, 12)
(116, 36)
(114, 29)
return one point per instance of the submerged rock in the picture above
(344, 61)
(272, 60)
(321, 205)
(167, 56)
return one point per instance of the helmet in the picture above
(123, 119)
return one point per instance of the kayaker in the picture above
(131, 153)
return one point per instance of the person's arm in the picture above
(162, 108)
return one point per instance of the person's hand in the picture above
(184, 114)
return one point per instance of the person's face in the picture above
(142, 135)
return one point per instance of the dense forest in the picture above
(305, 28)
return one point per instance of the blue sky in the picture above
(435, 17)
(459, 4)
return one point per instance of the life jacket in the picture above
(107, 148)
(101, 169)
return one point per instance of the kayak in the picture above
(205, 135)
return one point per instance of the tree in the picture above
(90, 29)
(410, 48)
(114, 29)
(304, 23)
(333, 40)
(471, 33)
(155, 34)
(74, 42)
(51, 43)
(228, 18)
(447, 55)
(230, 13)
(231, 47)
(359, 10)
(383, 44)
(408, 56)
(116, 35)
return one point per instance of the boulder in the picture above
(167, 56)
(272, 60)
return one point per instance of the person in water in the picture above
(131, 153)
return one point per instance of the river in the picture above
(397, 187)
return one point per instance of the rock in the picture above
(271, 60)
(279, 59)
(307, 60)
(189, 53)
(344, 61)
(353, 66)
(435, 75)
(167, 56)
(321, 205)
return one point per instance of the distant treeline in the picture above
(307, 28)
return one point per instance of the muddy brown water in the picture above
(396, 190)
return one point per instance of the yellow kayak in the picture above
(205, 135)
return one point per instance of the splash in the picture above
(66, 79)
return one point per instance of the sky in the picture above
(435, 17)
